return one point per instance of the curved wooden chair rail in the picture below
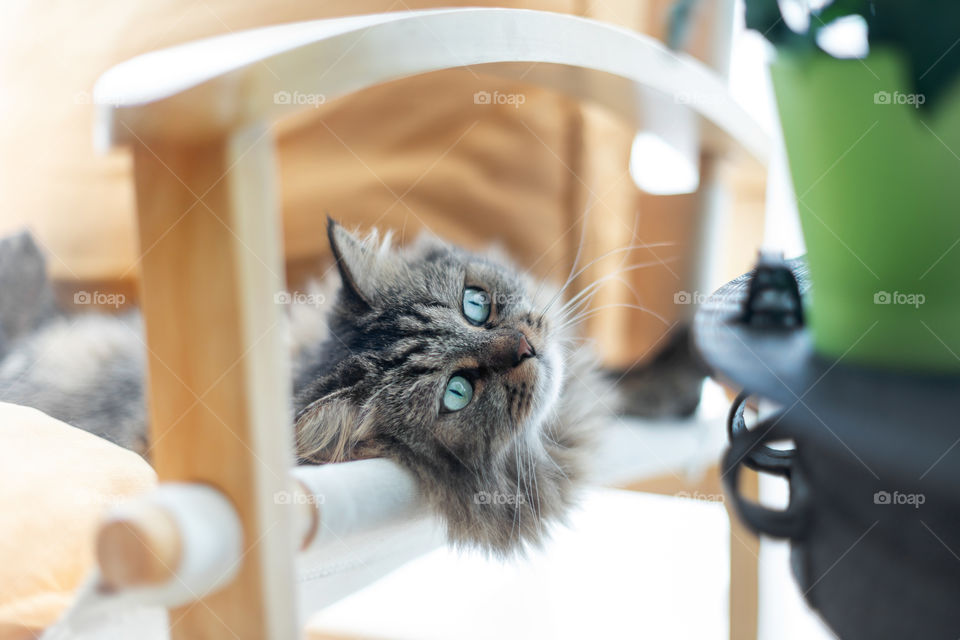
(196, 119)
(217, 85)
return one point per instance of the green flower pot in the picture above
(877, 179)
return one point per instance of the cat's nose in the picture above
(524, 349)
(506, 350)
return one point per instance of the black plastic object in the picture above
(874, 511)
(761, 457)
(773, 296)
(747, 449)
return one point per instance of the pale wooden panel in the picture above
(419, 153)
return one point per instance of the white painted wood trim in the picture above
(210, 86)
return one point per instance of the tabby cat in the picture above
(456, 365)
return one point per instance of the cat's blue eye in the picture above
(476, 305)
(458, 394)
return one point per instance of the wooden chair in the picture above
(196, 120)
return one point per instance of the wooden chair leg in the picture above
(744, 546)
(218, 380)
(744, 570)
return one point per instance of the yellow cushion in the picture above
(55, 482)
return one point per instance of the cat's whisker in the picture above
(577, 306)
(591, 289)
(555, 415)
(617, 275)
(543, 282)
(568, 317)
(521, 501)
(532, 484)
(525, 489)
(516, 512)
(534, 488)
(604, 256)
(580, 318)
(576, 259)
(573, 311)
(584, 218)
(575, 338)
(605, 278)
(558, 467)
(628, 285)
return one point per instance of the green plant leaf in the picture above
(764, 16)
(925, 33)
(841, 9)
(928, 38)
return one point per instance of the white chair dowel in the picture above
(180, 542)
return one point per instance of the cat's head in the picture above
(434, 354)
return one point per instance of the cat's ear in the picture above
(357, 260)
(329, 430)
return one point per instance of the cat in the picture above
(457, 365)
